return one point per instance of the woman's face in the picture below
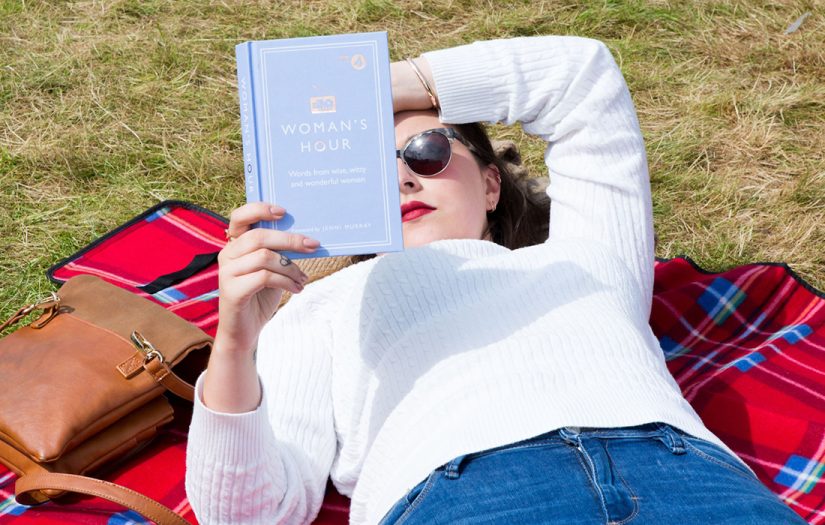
(450, 205)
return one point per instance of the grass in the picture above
(107, 107)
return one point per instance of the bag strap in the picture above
(164, 375)
(50, 306)
(19, 314)
(155, 365)
(139, 503)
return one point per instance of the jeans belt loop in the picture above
(570, 435)
(451, 469)
(672, 439)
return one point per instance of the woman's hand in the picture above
(253, 275)
(408, 92)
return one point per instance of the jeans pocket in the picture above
(718, 456)
(416, 496)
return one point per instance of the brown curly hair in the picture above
(522, 215)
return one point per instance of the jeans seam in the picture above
(417, 501)
(618, 434)
(633, 496)
(707, 457)
(591, 481)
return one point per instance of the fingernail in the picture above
(311, 243)
(304, 278)
(276, 210)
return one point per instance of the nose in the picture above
(407, 182)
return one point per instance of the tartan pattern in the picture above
(800, 473)
(720, 299)
(160, 243)
(746, 346)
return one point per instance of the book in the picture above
(319, 139)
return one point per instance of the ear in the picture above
(492, 183)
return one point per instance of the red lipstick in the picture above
(413, 210)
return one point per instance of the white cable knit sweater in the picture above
(387, 369)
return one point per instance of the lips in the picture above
(413, 210)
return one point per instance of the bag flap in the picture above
(94, 300)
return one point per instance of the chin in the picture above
(414, 241)
(415, 237)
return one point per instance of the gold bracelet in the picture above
(424, 82)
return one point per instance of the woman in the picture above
(465, 381)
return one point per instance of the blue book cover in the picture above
(319, 140)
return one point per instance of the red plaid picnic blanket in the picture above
(161, 241)
(747, 347)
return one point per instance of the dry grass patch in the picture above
(735, 144)
(108, 106)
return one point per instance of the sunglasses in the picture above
(428, 153)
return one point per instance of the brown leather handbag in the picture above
(88, 377)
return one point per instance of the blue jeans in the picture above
(651, 474)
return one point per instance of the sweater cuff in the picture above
(464, 75)
(231, 439)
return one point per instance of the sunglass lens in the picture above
(428, 154)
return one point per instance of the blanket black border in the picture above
(799, 279)
(131, 222)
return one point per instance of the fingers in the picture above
(250, 284)
(242, 219)
(260, 263)
(263, 238)
(253, 261)
(240, 229)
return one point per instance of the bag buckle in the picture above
(143, 344)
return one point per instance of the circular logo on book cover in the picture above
(358, 61)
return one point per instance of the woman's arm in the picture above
(570, 92)
(262, 440)
(270, 465)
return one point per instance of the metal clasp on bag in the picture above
(143, 344)
(50, 307)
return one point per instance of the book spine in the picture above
(249, 132)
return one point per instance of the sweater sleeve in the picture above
(270, 465)
(570, 92)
